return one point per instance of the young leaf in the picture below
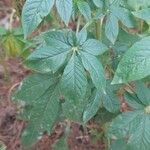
(44, 99)
(85, 9)
(3, 31)
(95, 68)
(112, 27)
(13, 45)
(33, 13)
(135, 63)
(64, 8)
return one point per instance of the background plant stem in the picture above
(98, 28)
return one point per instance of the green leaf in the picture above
(110, 99)
(3, 31)
(143, 92)
(32, 83)
(119, 145)
(46, 58)
(103, 116)
(133, 101)
(98, 3)
(82, 36)
(44, 99)
(2, 146)
(138, 129)
(98, 99)
(94, 47)
(56, 39)
(111, 27)
(123, 15)
(13, 45)
(137, 4)
(95, 68)
(143, 14)
(84, 9)
(73, 109)
(52, 52)
(125, 124)
(74, 82)
(64, 8)
(133, 126)
(93, 106)
(135, 63)
(33, 13)
(140, 138)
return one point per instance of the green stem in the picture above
(78, 24)
(98, 28)
(141, 25)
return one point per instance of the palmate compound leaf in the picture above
(134, 125)
(74, 78)
(33, 13)
(135, 63)
(52, 53)
(98, 99)
(40, 92)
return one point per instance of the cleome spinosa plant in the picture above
(78, 72)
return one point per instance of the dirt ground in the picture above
(10, 127)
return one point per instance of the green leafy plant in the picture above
(74, 71)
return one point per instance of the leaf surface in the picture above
(64, 8)
(135, 63)
(33, 13)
